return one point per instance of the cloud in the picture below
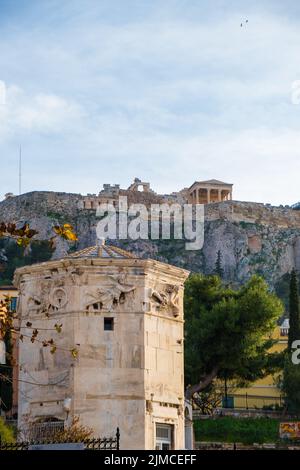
(174, 92)
(40, 113)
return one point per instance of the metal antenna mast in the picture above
(20, 170)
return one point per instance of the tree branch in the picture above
(207, 379)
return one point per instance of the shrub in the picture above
(6, 433)
(244, 430)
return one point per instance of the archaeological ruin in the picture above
(207, 192)
(201, 192)
(125, 316)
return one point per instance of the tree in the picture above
(17, 256)
(291, 372)
(294, 313)
(209, 399)
(219, 271)
(291, 385)
(228, 332)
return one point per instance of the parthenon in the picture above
(206, 192)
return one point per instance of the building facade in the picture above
(125, 317)
(264, 393)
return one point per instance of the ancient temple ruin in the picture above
(125, 317)
(206, 192)
(201, 192)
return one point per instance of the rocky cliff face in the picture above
(252, 238)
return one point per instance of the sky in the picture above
(170, 91)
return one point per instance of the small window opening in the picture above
(108, 324)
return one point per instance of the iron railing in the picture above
(42, 431)
(105, 443)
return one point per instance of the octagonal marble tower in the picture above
(125, 317)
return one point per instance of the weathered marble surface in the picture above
(131, 377)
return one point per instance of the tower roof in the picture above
(102, 251)
(100, 255)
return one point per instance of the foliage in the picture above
(20, 254)
(22, 235)
(282, 289)
(25, 250)
(244, 430)
(9, 321)
(39, 251)
(219, 271)
(294, 312)
(291, 385)
(228, 332)
(209, 399)
(6, 433)
(76, 432)
(66, 231)
(6, 390)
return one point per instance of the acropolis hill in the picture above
(252, 237)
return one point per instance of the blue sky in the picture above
(170, 91)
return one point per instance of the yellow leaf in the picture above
(74, 353)
(58, 327)
(71, 235)
(57, 229)
(23, 242)
(66, 232)
(68, 227)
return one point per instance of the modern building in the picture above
(124, 315)
(264, 393)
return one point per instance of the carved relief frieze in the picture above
(108, 297)
(58, 298)
(38, 300)
(166, 299)
(46, 300)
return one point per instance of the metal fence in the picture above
(257, 402)
(45, 431)
(106, 443)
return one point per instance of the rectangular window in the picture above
(108, 324)
(228, 402)
(164, 437)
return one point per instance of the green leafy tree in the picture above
(294, 312)
(291, 385)
(291, 372)
(37, 252)
(228, 332)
